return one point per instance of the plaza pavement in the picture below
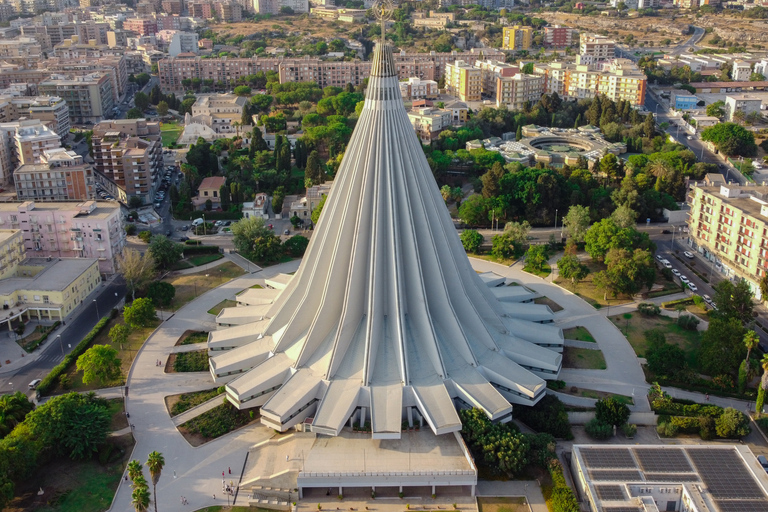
(195, 472)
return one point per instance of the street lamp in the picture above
(555, 219)
(97, 309)
(61, 344)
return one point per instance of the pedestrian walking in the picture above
(214, 496)
(706, 397)
(222, 475)
(230, 470)
(182, 499)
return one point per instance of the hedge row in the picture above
(209, 215)
(53, 377)
(562, 498)
(687, 301)
(689, 410)
(200, 249)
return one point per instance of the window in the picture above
(205, 192)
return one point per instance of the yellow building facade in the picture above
(463, 81)
(517, 38)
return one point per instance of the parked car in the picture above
(183, 239)
(693, 287)
(666, 232)
(763, 462)
(684, 279)
(707, 298)
(676, 272)
(688, 255)
(184, 228)
(659, 257)
(35, 383)
(287, 232)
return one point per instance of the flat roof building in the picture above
(61, 176)
(90, 98)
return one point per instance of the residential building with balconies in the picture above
(745, 103)
(90, 98)
(417, 89)
(518, 90)
(463, 81)
(62, 176)
(429, 122)
(517, 38)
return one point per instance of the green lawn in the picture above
(170, 133)
(544, 272)
(579, 333)
(203, 259)
(190, 286)
(226, 303)
(634, 329)
(192, 337)
(196, 361)
(178, 404)
(583, 359)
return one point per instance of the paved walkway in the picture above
(198, 470)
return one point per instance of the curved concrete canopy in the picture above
(385, 316)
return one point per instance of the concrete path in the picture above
(191, 472)
(531, 490)
(243, 263)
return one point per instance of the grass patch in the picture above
(587, 290)
(226, 303)
(181, 265)
(190, 286)
(544, 272)
(597, 395)
(75, 486)
(554, 306)
(583, 359)
(37, 337)
(170, 133)
(178, 404)
(257, 287)
(204, 259)
(634, 329)
(196, 361)
(215, 423)
(498, 504)
(579, 333)
(192, 337)
(126, 353)
(487, 257)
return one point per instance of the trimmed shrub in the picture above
(688, 322)
(599, 430)
(732, 424)
(562, 498)
(629, 429)
(648, 309)
(666, 430)
(611, 411)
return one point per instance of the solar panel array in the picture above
(622, 509)
(725, 474)
(613, 476)
(671, 477)
(742, 506)
(608, 458)
(610, 492)
(670, 460)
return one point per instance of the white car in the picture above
(693, 287)
(688, 255)
(707, 299)
(684, 279)
(35, 383)
(676, 272)
(660, 257)
(666, 264)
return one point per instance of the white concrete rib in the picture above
(385, 311)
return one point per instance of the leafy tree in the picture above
(722, 346)
(491, 180)
(119, 333)
(474, 210)
(763, 386)
(576, 222)
(518, 236)
(134, 113)
(502, 246)
(136, 269)
(140, 314)
(662, 357)
(296, 246)
(318, 210)
(609, 165)
(731, 139)
(571, 268)
(716, 109)
(155, 463)
(165, 251)
(161, 293)
(202, 159)
(548, 415)
(597, 429)
(100, 362)
(313, 172)
(606, 235)
(257, 141)
(267, 248)
(186, 106)
(471, 240)
(242, 90)
(141, 100)
(629, 271)
(611, 411)
(246, 231)
(13, 409)
(732, 424)
(624, 217)
(162, 108)
(536, 257)
(734, 301)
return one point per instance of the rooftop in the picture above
(55, 276)
(214, 182)
(103, 210)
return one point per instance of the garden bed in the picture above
(579, 333)
(37, 337)
(544, 272)
(191, 337)
(219, 421)
(190, 286)
(177, 404)
(583, 359)
(181, 362)
(499, 504)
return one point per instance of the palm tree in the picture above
(13, 410)
(750, 341)
(140, 498)
(155, 463)
(134, 470)
(763, 386)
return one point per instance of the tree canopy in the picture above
(731, 139)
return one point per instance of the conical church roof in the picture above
(385, 320)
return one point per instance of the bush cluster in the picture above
(597, 429)
(648, 309)
(218, 421)
(548, 416)
(50, 379)
(189, 250)
(561, 498)
(196, 361)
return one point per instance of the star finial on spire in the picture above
(383, 9)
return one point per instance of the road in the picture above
(54, 350)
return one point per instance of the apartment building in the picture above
(490, 70)
(69, 230)
(557, 36)
(429, 122)
(173, 6)
(728, 225)
(52, 111)
(90, 98)
(23, 142)
(220, 112)
(49, 35)
(427, 66)
(142, 26)
(416, 89)
(518, 90)
(741, 103)
(620, 79)
(22, 51)
(228, 12)
(594, 48)
(116, 66)
(61, 176)
(517, 38)
(741, 71)
(463, 81)
(182, 42)
(132, 164)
